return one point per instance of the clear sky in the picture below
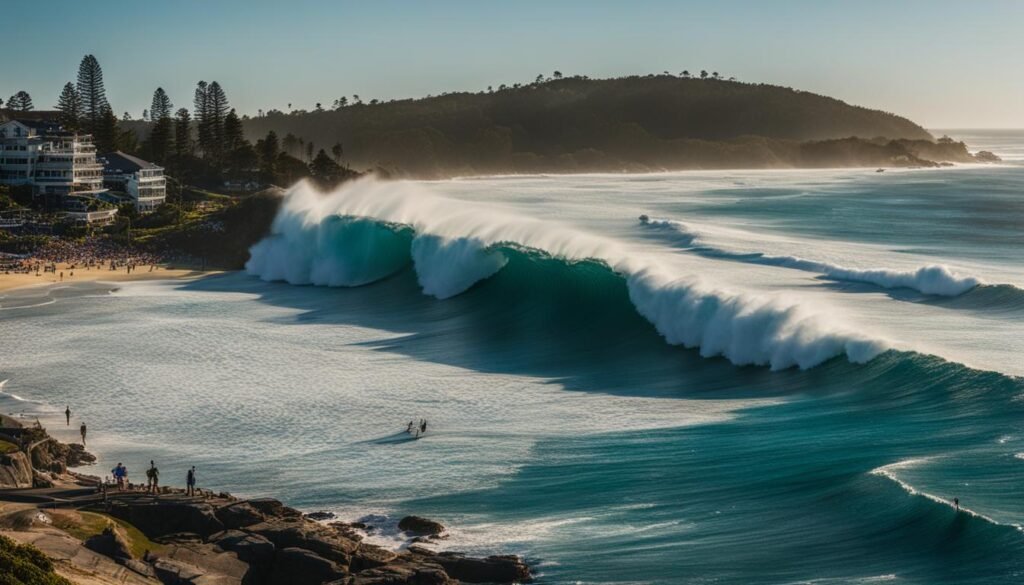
(942, 63)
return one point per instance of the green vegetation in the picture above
(22, 564)
(566, 124)
(83, 525)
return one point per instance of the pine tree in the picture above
(268, 151)
(105, 132)
(182, 134)
(92, 94)
(217, 110)
(161, 107)
(234, 136)
(324, 170)
(20, 101)
(201, 113)
(70, 108)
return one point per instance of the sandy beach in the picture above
(160, 272)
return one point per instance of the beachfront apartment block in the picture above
(141, 181)
(57, 164)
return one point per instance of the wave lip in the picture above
(368, 230)
(933, 279)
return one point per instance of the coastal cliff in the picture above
(100, 536)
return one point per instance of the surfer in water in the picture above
(409, 428)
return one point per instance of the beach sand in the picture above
(161, 272)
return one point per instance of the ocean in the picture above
(773, 377)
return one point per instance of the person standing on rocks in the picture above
(82, 430)
(190, 482)
(67, 415)
(153, 478)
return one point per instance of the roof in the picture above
(119, 161)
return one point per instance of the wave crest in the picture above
(369, 230)
(933, 279)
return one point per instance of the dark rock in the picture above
(405, 570)
(268, 506)
(251, 548)
(173, 572)
(308, 535)
(181, 538)
(418, 525)
(274, 508)
(239, 515)
(320, 516)
(161, 518)
(369, 556)
(347, 530)
(141, 567)
(495, 569)
(296, 566)
(109, 543)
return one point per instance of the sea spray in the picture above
(935, 279)
(369, 230)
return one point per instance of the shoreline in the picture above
(96, 534)
(169, 271)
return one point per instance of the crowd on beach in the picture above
(90, 254)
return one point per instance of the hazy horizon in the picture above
(943, 66)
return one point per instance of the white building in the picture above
(140, 180)
(54, 162)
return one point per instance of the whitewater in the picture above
(778, 377)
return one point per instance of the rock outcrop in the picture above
(420, 526)
(15, 470)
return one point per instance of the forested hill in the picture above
(580, 124)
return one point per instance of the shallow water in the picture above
(785, 377)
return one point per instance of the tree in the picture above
(70, 108)
(716, 75)
(268, 151)
(1, 102)
(92, 94)
(309, 151)
(201, 113)
(290, 144)
(218, 111)
(234, 136)
(145, 115)
(20, 101)
(337, 151)
(557, 75)
(105, 132)
(161, 106)
(319, 107)
(703, 74)
(182, 133)
(325, 171)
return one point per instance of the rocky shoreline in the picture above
(95, 534)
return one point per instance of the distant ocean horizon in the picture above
(771, 377)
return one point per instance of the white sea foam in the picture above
(453, 247)
(932, 279)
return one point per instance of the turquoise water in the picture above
(781, 377)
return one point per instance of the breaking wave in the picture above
(934, 279)
(370, 230)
